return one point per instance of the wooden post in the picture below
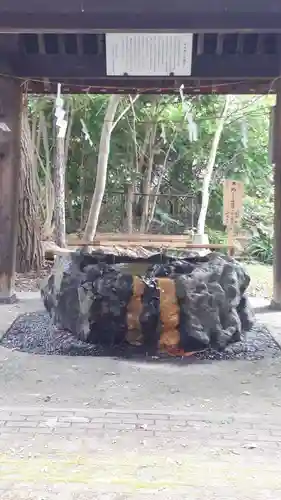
(230, 241)
(276, 302)
(233, 192)
(10, 130)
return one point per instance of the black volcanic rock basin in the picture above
(175, 306)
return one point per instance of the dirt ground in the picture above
(261, 280)
(30, 282)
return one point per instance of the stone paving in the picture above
(63, 453)
(84, 428)
(51, 453)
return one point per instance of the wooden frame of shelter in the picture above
(236, 49)
(159, 241)
(132, 239)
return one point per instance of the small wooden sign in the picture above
(233, 192)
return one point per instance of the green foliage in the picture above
(184, 133)
(219, 237)
(258, 211)
(260, 248)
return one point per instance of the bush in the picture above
(261, 248)
(258, 214)
(218, 237)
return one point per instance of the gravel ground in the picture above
(34, 333)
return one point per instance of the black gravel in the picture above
(34, 333)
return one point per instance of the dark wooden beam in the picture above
(160, 21)
(10, 130)
(276, 156)
(59, 66)
(105, 6)
(276, 302)
(140, 15)
(238, 66)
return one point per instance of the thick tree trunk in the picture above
(29, 248)
(104, 149)
(210, 168)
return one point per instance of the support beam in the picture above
(276, 302)
(182, 15)
(238, 66)
(61, 66)
(10, 130)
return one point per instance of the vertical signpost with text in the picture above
(233, 193)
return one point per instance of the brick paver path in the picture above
(56, 443)
(193, 426)
(82, 454)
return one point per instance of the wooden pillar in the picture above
(276, 152)
(10, 130)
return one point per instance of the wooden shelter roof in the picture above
(127, 15)
(236, 44)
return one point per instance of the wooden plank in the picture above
(106, 6)
(59, 66)
(153, 244)
(136, 237)
(233, 193)
(134, 241)
(183, 15)
(142, 239)
(235, 65)
(62, 66)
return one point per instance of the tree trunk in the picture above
(129, 208)
(59, 187)
(210, 168)
(48, 186)
(29, 248)
(104, 149)
(158, 187)
(147, 182)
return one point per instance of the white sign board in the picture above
(148, 54)
(233, 192)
